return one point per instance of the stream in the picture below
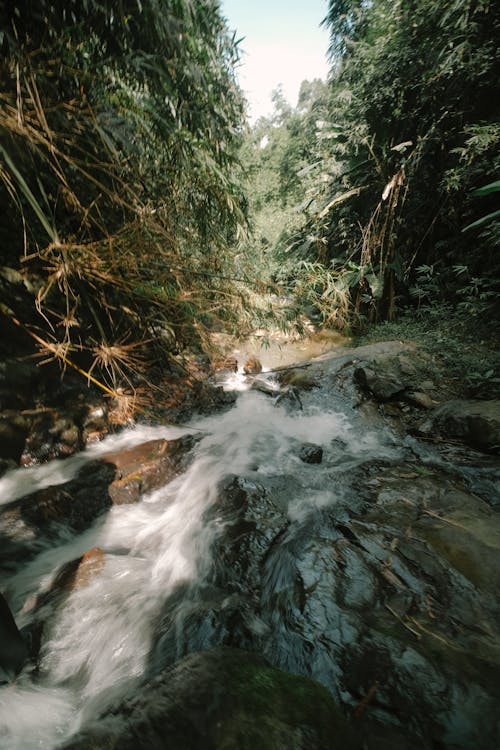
(255, 547)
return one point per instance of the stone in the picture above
(252, 366)
(419, 398)
(383, 384)
(227, 364)
(29, 522)
(146, 467)
(310, 453)
(477, 423)
(298, 379)
(223, 699)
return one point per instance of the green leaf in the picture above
(481, 221)
(492, 187)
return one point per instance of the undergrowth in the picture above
(466, 346)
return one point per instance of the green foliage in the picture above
(407, 155)
(119, 131)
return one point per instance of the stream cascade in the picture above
(301, 528)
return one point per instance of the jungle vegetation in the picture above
(388, 176)
(129, 179)
(120, 124)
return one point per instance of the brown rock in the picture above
(228, 363)
(80, 572)
(252, 366)
(145, 467)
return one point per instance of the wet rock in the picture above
(298, 378)
(475, 422)
(146, 467)
(48, 514)
(270, 389)
(228, 364)
(223, 699)
(52, 434)
(13, 649)
(310, 453)
(95, 423)
(72, 575)
(381, 383)
(81, 571)
(252, 366)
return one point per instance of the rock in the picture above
(310, 453)
(252, 366)
(51, 435)
(95, 423)
(146, 467)
(383, 383)
(228, 364)
(13, 649)
(299, 379)
(477, 423)
(270, 389)
(419, 398)
(80, 572)
(223, 699)
(29, 522)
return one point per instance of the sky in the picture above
(283, 44)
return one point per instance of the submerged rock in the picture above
(223, 699)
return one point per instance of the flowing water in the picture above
(101, 639)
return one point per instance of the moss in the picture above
(272, 709)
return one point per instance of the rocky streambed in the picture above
(316, 566)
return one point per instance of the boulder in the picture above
(72, 575)
(383, 382)
(298, 378)
(310, 453)
(28, 523)
(223, 699)
(477, 423)
(252, 366)
(146, 467)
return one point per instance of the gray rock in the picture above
(310, 453)
(223, 699)
(382, 382)
(477, 423)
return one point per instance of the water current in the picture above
(101, 640)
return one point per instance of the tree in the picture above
(119, 131)
(413, 130)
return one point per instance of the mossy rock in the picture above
(223, 699)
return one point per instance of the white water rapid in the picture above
(100, 641)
